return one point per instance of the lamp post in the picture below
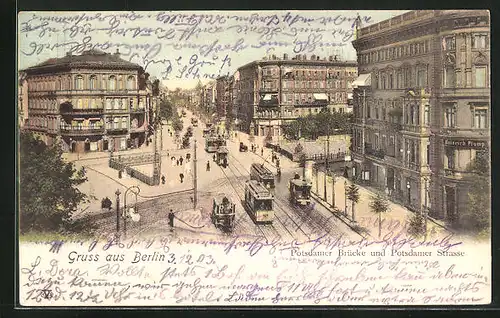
(426, 210)
(117, 193)
(345, 198)
(126, 213)
(408, 190)
(195, 177)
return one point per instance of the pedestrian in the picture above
(208, 165)
(262, 152)
(181, 160)
(162, 179)
(181, 176)
(214, 157)
(171, 217)
(177, 161)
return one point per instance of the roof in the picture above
(88, 59)
(259, 190)
(290, 63)
(301, 182)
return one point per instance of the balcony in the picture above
(268, 90)
(116, 130)
(81, 130)
(138, 129)
(82, 111)
(456, 174)
(377, 153)
(137, 110)
(315, 103)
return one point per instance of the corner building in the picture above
(90, 102)
(275, 91)
(422, 106)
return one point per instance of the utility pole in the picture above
(195, 177)
(156, 158)
(117, 193)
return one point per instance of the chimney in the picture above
(313, 57)
(317, 58)
(285, 56)
(117, 53)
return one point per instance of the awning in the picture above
(320, 96)
(363, 80)
(267, 97)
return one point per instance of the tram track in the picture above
(310, 219)
(284, 215)
(269, 231)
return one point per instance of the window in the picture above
(79, 82)
(449, 76)
(426, 115)
(124, 122)
(112, 82)
(93, 82)
(109, 104)
(450, 158)
(449, 43)
(130, 82)
(479, 41)
(103, 83)
(422, 78)
(428, 153)
(450, 116)
(480, 117)
(480, 76)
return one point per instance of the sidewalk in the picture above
(393, 221)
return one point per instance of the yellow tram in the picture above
(223, 213)
(258, 202)
(300, 191)
(262, 174)
(211, 144)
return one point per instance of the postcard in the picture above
(254, 158)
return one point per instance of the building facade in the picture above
(275, 91)
(93, 102)
(422, 106)
(22, 94)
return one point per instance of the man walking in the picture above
(171, 219)
(181, 176)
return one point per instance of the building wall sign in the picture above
(465, 143)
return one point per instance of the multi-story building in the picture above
(22, 106)
(94, 102)
(208, 97)
(275, 91)
(422, 106)
(223, 92)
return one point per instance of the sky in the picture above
(181, 48)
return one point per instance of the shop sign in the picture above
(465, 143)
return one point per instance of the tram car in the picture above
(208, 130)
(258, 202)
(222, 158)
(211, 144)
(223, 213)
(221, 142)
(300, 191)
(263, 175)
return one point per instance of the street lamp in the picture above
(132, 210)
(409, 192)
(117, 193)
(426, 210)
(345, 198)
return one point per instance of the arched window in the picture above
(79, 82)
(103, 83)
(116, 122)
(93, 82)
(131, 82)
(112, 82)
(120, 82)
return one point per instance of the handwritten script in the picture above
(186, 45)
(183, 271)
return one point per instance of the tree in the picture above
(379, 205)
(476, 217)
(353, 196)
(416, 225)
(48, 188)
(166, 110)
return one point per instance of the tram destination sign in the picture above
(465, 143)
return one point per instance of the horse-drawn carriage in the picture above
(223, 213)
